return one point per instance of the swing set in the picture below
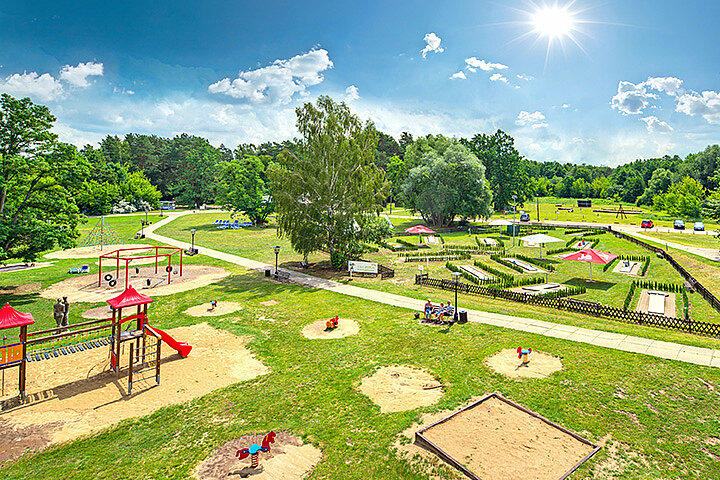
(122, 255)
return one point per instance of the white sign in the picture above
(362, 267)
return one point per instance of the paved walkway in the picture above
(656, 348)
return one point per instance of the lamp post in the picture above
(192, 249)
(456, 277)
(142, 229)
(514, 197)
(277, 252)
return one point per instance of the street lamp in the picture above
(456, 277)
(142, 229)
(514, 197)
(277, 252)
(192, 249)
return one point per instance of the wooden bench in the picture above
(280, 275)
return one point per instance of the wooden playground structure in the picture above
(144, 342)
(121, 255)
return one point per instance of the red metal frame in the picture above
(116, 255)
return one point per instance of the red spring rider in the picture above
(254, 450)
(523, 353)
(332, 323)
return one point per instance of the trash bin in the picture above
(463, 317)
(267, 272)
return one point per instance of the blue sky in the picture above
(643, 81)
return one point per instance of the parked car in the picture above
(679, 225)
(699, 227)
(525, 217)
(647, 224)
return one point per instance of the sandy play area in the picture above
(89, 252)
(76, 395)
(399, 388)
(206, 310)
(318, 330)
(506, 362)
(84, 288)
(497, 441)
(97, 312)
(645, 304)
(288, 459)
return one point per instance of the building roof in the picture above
(129, 298)
(11, 318)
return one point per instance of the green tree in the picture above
(711, 207)
(38, 180)
(682, 199)
(243, 189)
(659, 183)
(396, 172)
(504, 166)
(325, 191)
(194, 170)
(445, 186)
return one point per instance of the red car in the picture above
(647, 224)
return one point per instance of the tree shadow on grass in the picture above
(594, 285)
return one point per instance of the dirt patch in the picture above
(77, 395)
(269, 303)
(98, 313)
(288, 459)
(506, 362)
(400, 388)
(643, 304)
(21, 289)
(634, 270)
(498, 441)
(206, 310)
(85, 288)
(318, 330)
(540, 288)
(89, 252)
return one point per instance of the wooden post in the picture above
(130, 369)
(23, 363)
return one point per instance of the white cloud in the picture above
(706, 104)
(41, 88)
(631, 99)
(460, 75)
(433, 44)
(535, 119)
(277, 83)
(565, 105)
(527, 78)
(496, 77)
(670, 85)
(77, 76)
(123, 91)
(351, 93)
(474, 63)
(655, 125)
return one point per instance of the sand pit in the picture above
(539, 289)
(318, 331)
(668, 307)
(633, 269)
(98, 313)
(77, 395)
(205, 310)
(84, 288)
(495, 440)
(288, 459)
(89, 252)
(270, 303)
(400, 388)
(16, 267)
(506, 362)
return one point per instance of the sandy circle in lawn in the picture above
(269, 303)
(205, 310)
(288, 459)
(84, 288)
(89, 252)
(318, 330)
(98, 313)
(401, 387)
(506, 362)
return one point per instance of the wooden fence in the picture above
(576, 306)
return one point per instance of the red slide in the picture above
(182, 348)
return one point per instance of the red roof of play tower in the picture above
(11, 318)
(129, 298)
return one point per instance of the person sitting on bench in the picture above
(444, 310)
(428, 309)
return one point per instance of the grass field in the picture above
(699, 240)
(655, 418)
(609, 288)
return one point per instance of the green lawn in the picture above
(659, 417)
(692, 240)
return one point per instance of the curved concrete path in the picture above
(628, 343)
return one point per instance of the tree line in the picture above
(333, 177)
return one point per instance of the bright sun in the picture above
(553, 22)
